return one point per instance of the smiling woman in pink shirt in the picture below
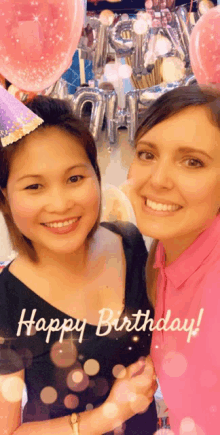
(175, 179)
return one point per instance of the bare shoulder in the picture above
(20, 266)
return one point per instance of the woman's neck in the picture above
(52, 263)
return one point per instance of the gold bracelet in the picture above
(74, 422)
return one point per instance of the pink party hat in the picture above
(16, 120)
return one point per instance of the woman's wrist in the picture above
(100, 420)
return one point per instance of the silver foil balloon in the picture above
(100, 53)
(97, 51)
(111, 116)
(172, 34)
(132, 113)
(60, 89)
(97, 98)
(126, 117)
(122, 46)
(190, 80)
(183, 27)
(150, 56)
(138, 56)
(87, 47)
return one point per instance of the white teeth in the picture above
(161, 207)
(61, 224)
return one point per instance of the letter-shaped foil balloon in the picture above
(38, 40)
(122, 46)
(97, 98)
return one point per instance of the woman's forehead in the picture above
(191, 126)
(52, 148)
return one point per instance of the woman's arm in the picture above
(139, 381)
(10, 412)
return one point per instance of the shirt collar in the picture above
(185, 265)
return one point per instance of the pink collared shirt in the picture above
(189, 372)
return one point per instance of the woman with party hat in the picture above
(71, 302)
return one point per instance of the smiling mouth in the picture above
(161, 207)
(60, 224)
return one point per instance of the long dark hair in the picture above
(55, 113)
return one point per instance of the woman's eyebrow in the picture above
(150, 144)
(193, 150)
(181, 150)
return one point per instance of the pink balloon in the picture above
(205, 48)
(38, 39)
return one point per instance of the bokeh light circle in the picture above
(119, 371)
(141, 15)
(125, 71)
(187, 426)
(48, 395)
(12, 389)
(135, 338)
(204, 6)
(140, 26)
(111, 72)
(63, 354)
(110, 410)
(174, 364)
(77, 380)
(106, 17)
(91, 367)
(77, 376)
(124, 17)
(71, 401)
(162, 46)
(172, 69)
(33, 329)
(123, 392)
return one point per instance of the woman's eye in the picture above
(145, 155)
(75, 178)
(194, 163)
(32, 187)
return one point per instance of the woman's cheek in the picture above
(23, 208)
(89, 194)
(201, 189)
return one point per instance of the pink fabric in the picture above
(189, 373)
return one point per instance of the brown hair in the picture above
(55, 113)
(174, 101)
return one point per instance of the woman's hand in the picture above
(133, 393)
(128, 396)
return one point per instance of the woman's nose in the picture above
(162, 175)
(58, 201)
